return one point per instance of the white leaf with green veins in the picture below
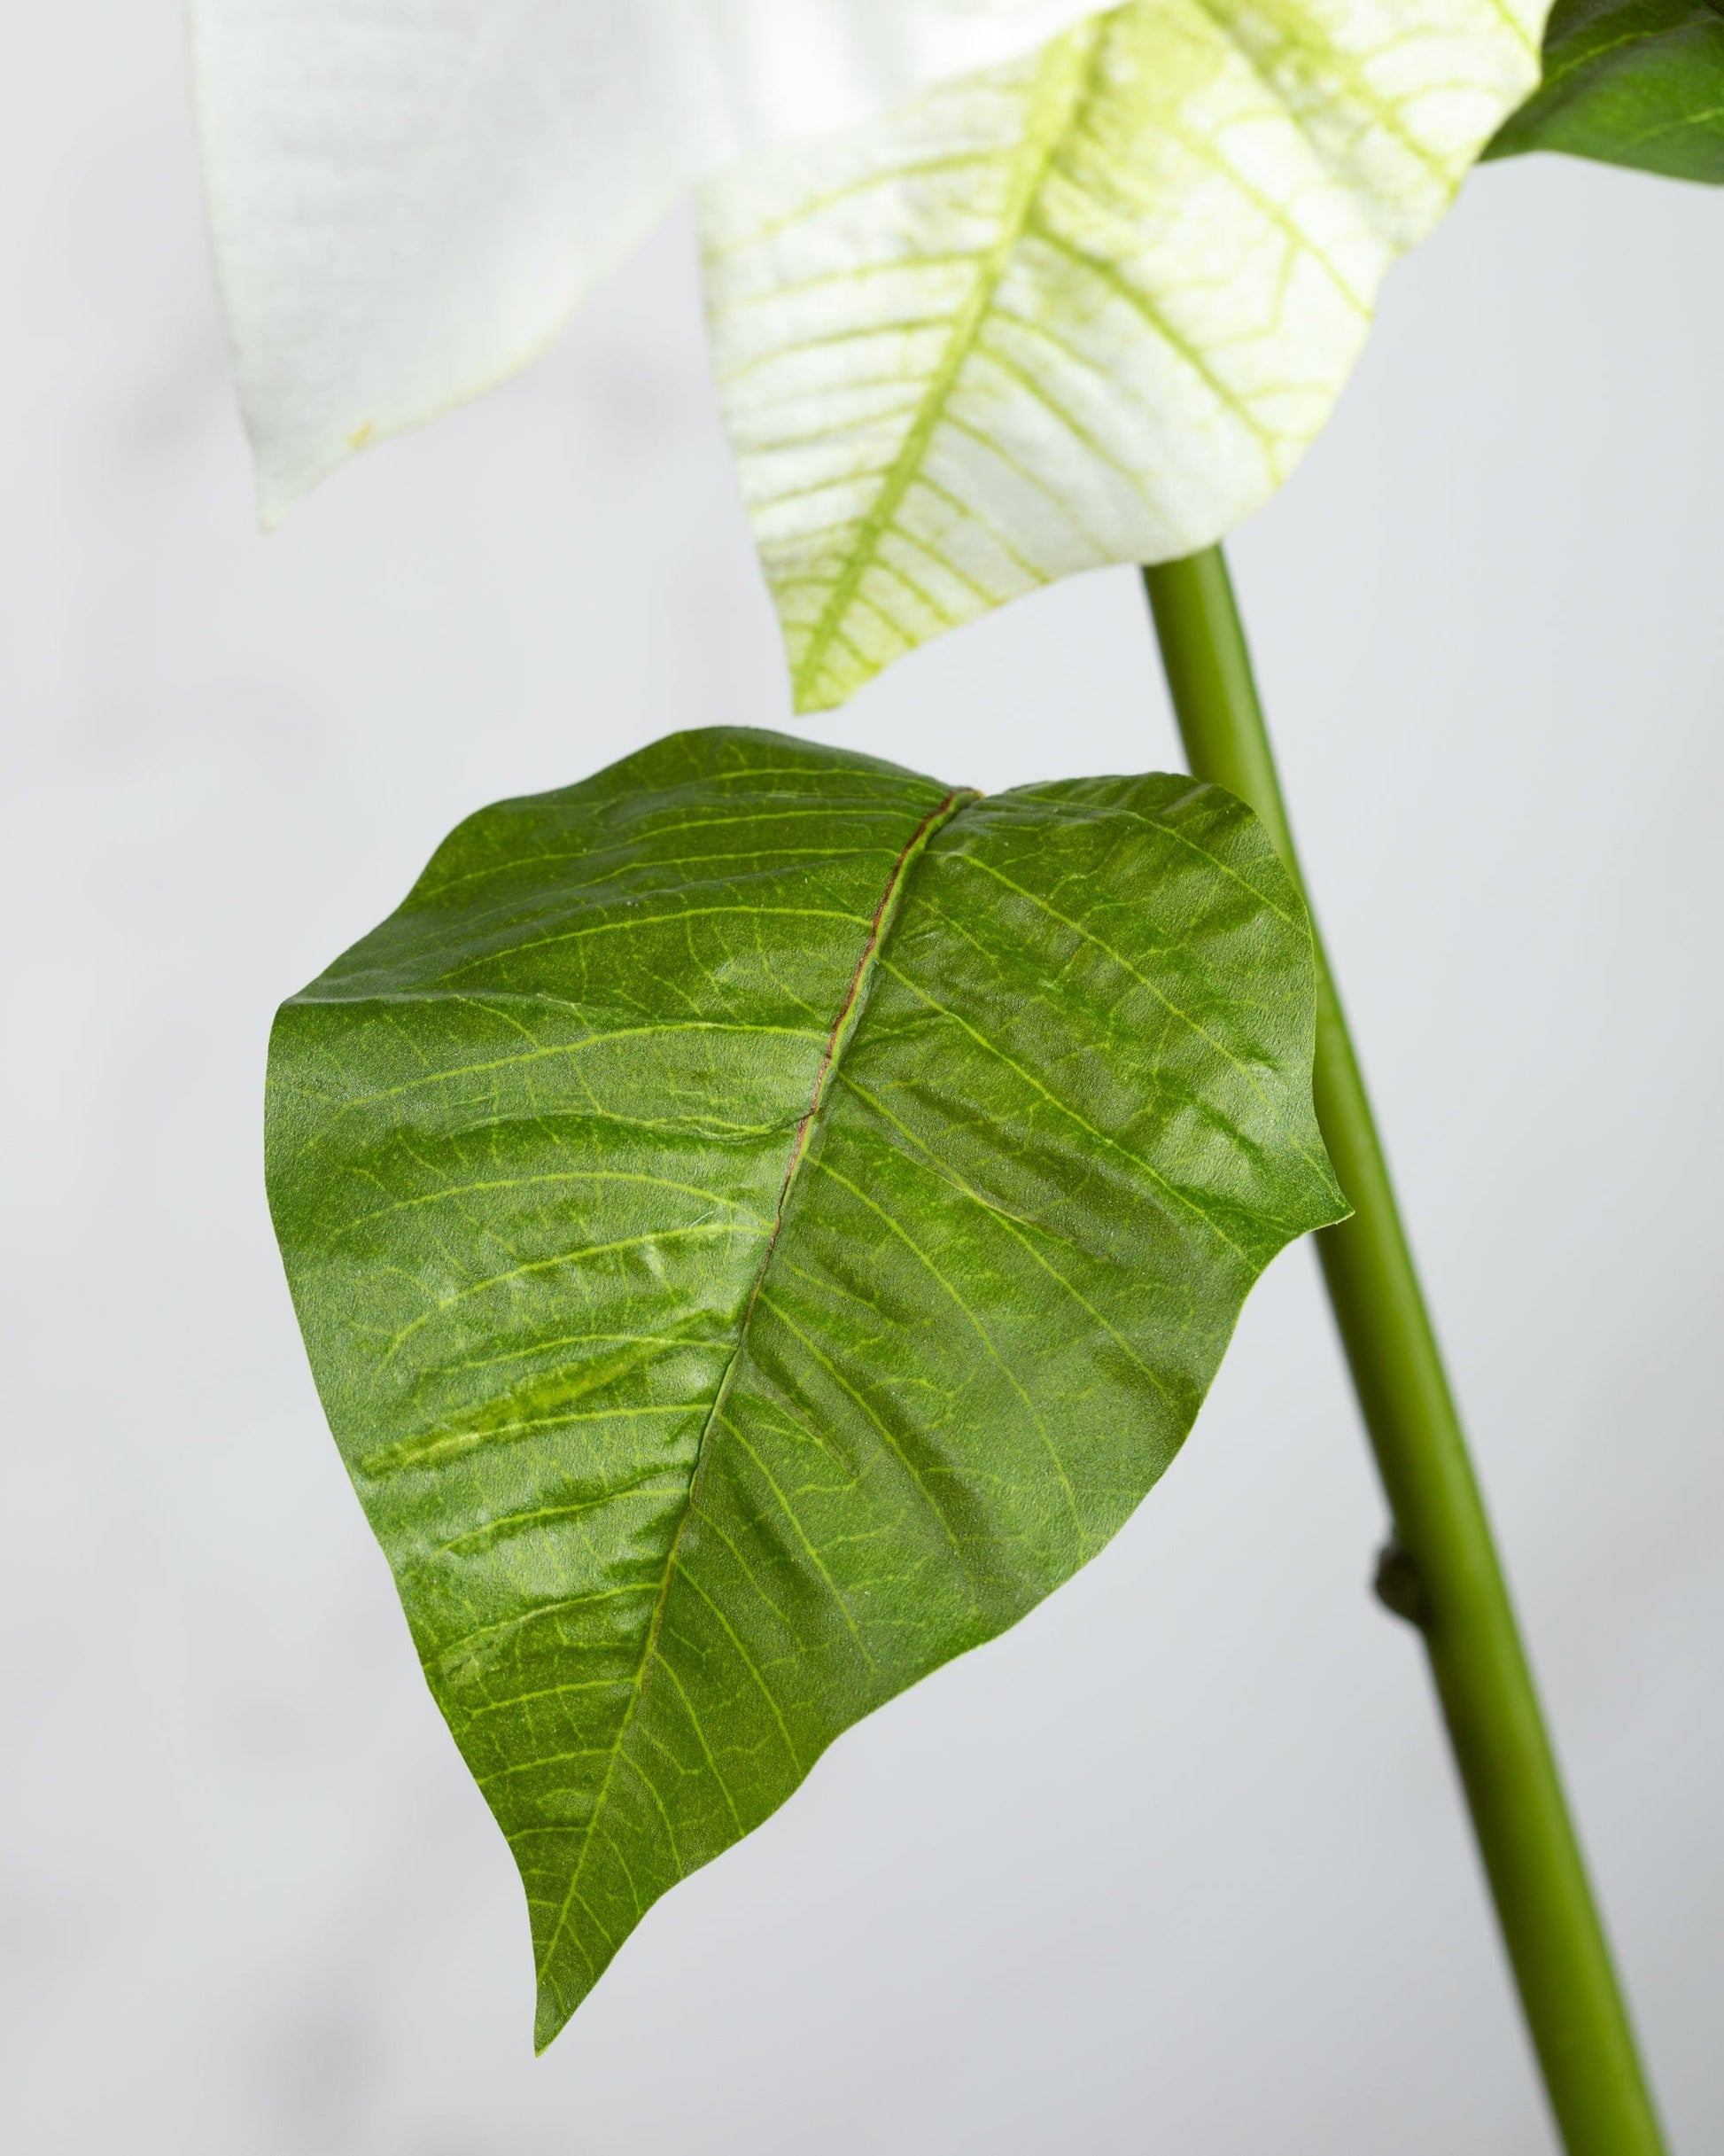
(1087, 307)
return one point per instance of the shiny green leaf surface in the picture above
(1636, 83)
(761, 1220)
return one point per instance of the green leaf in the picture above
(1635, 82)
(760, 1220)
(1088, 308)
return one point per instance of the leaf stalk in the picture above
(1573, 2004)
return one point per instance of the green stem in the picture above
(1445, 1572)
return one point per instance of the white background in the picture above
(1178, 1866)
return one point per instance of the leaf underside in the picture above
(1089, 307)
(1637, 82)
(760, 1220)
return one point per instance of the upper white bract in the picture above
(409, 196)
(1089, 306)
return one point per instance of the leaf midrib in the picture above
(843, 1028)
(1063, 86)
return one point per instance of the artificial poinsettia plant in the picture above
(762, 1219)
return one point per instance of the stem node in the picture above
(1398, 1586)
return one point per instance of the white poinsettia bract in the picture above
(999, 290)
(1088, 308)
(409, 198)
